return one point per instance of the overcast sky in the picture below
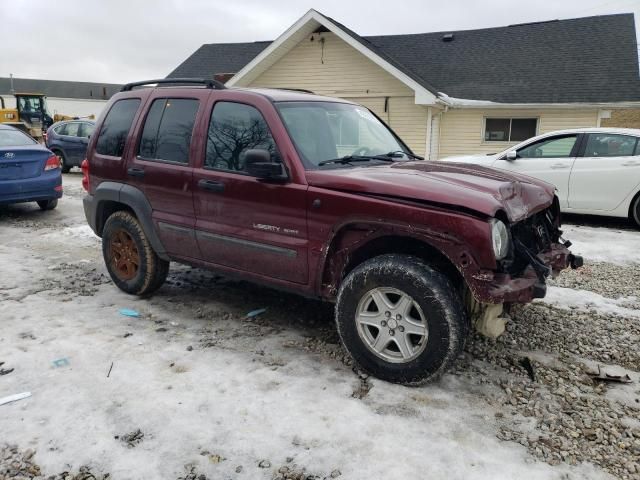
(125, 40)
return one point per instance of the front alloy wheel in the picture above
(401, 320)
(392, 325)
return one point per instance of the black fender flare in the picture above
(133, 198)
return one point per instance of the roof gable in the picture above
(583, 60)
(309, 23)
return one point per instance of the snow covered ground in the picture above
(229, 397)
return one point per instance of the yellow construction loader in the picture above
(31, 114)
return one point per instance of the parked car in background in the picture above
(68, 140)
(273, 186)
(595, 170)
(29, 172)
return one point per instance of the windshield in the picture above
(323, 131)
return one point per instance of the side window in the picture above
(86, 129)
(116, 126)
(62, 129)
(72, 129)
(168, 129)
(554, 147)
(235, 128)
(610, 145)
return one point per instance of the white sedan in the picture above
(595, 170)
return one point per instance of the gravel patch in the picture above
(606, 279)
(17, 464)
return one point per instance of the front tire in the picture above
(132, 264)
(48, 204)
(401, 320)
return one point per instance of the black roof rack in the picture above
(302, 90)
(197, 81)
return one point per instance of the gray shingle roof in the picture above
(214, 58)
(59, 88)
(592, 59)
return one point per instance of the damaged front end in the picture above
(537, 251)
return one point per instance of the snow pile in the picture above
(604, 244)
(568, 298)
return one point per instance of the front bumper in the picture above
(493, 287)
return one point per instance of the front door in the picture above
(162, 166)
(606, 173)
(549, 159)
(242, 222)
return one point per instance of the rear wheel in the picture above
(63, 161)
(634, 212)
(48, 204)
(401, 320)
(132, 264)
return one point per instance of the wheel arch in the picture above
(635, 200)
(355, 243)
(111, 197)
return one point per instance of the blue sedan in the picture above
(29, 172)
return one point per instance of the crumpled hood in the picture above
(485, 190)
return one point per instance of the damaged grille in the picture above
(530, 237)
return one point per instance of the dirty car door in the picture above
(241, 222)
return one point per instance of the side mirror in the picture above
(511, 155)
(258, 164)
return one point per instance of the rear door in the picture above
(162, 166)
(606, 173)
(242, 222)
(549, 159)
(73, 145)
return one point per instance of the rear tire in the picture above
(634, 211)
(48, 204)
(132, 264)
(63, 161)
(401, 320)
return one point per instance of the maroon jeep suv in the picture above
(318, 196)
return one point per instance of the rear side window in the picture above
(168, 129)
(235, 128)
(72, 129)
(609, 145)
(115, 127)
(86, 129)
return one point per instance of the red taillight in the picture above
(53, 162)
(85, 174)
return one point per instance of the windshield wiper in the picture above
(355, 158)
(396, 153)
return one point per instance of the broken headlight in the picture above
(499, 238)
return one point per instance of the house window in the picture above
(509, 129)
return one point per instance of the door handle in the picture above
(211, 185)
(632, 163)
(556, 166)
(135, 172)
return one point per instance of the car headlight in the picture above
(499, 239)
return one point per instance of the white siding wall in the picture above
(337, 69)
(462, 130)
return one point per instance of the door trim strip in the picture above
(176, 228)
(287, 252)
